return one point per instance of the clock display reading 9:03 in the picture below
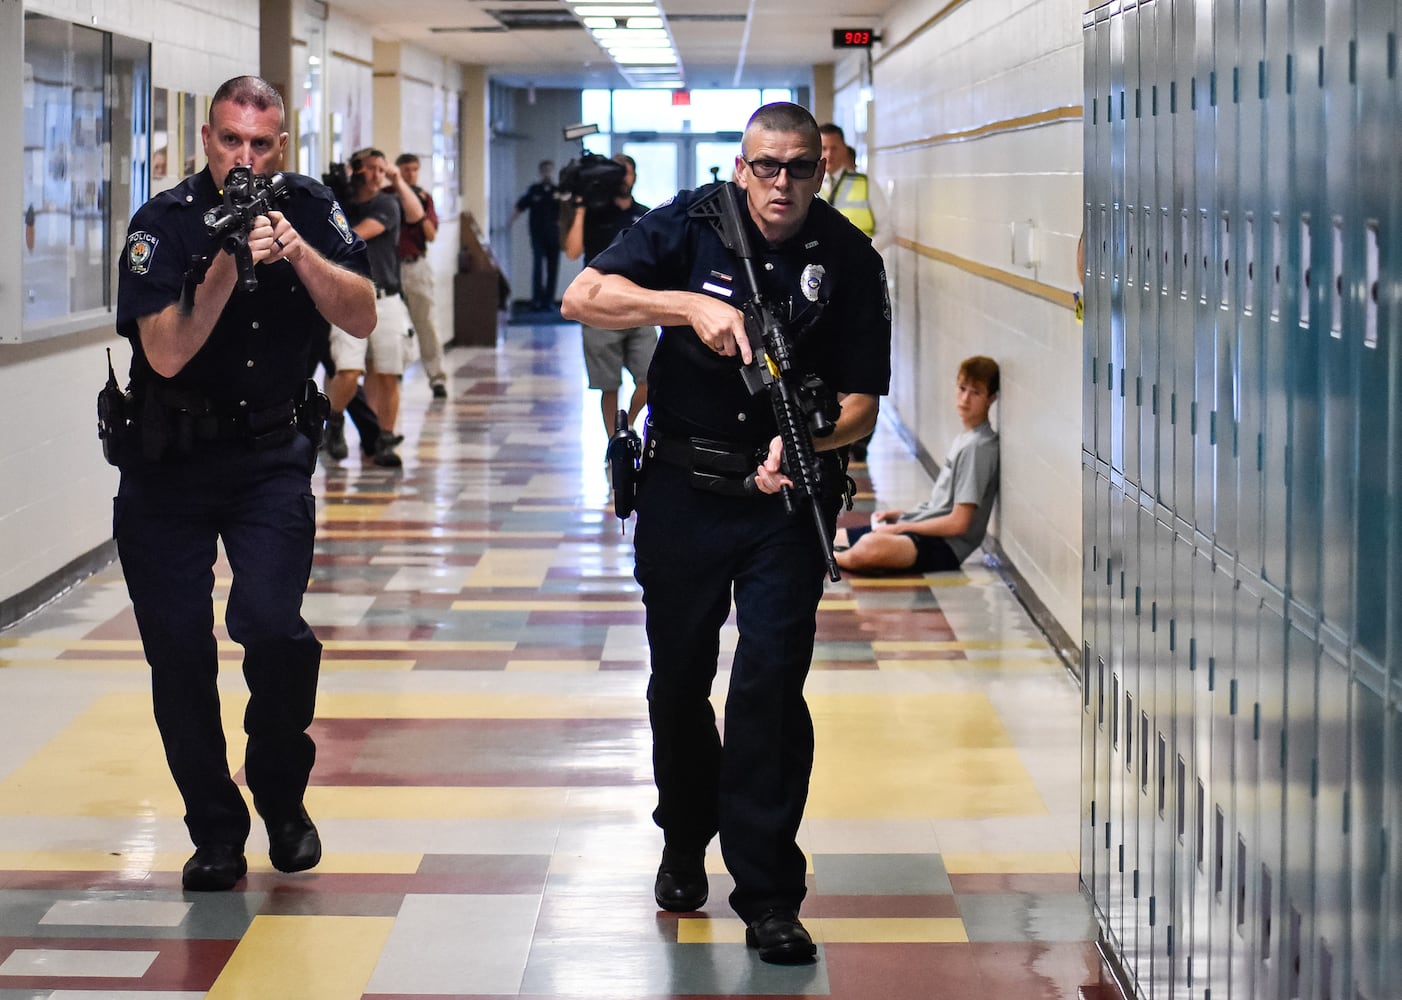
(852, 38)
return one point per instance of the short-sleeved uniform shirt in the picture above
(694, 392)
(603, 224)
(383, 250)
(969, 475)
(542, 207)
(260, 349)
(413, 241)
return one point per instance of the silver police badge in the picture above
(812, 282)
(141, 247)
(338, 219)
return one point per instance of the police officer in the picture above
(223, 451)
(702, 531)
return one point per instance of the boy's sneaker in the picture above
(385, 455)
(440, 391)
(335, 443)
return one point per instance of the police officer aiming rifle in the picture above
(219, 448)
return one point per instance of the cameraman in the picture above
(381, 202)
(597, 220)
(214, 454)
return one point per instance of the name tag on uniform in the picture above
(707, 286)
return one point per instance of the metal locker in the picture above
(1242, 831)
(1377, 203)
(1392, 824)
(1091, 810)
(1327, 950)
(1123, 811)
(1183, 104)
(1270, 795)
(1156, 736)
(1251, 281)
(1215, 805)
(1297, 886)
(1096, 36)
(1165, 120)
(1203, 298)
(1140, 377)
(1339, 321)
(1110, 409)
(1276, 240)
(1220, 423)
(1307, 322)
(1125, 399)
(1107, 860)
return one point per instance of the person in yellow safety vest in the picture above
(846, 189)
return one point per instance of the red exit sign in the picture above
(853, 38)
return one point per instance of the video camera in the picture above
(246, 196)
(595, 180)
(337, 178)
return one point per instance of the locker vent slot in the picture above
(1266, 922)
(1370, 286)
(1219, 836)
(1163, 775)
(1295, 957)
(1240, 884)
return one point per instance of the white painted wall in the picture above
(982, 63)
(55, 488)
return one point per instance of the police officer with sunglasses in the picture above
(711, 522)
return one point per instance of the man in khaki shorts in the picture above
(608, 352)
(381, 204)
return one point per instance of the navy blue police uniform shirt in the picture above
(542, 205)
(261, 348)
(603, 224)
(692, 391)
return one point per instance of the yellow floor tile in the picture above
(310, 958)
(1011, 862)
(922, 755)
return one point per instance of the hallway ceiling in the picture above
(722, 43)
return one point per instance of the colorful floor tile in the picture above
(483, 784)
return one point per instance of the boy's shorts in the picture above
(608, 352)
(384, 349)
(932, 555)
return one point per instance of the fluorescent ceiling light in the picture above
(600, 23)
(607, 38)
(639, 23)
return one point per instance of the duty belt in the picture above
(721, 467)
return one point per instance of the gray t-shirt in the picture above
(383, 250)
(970, 475)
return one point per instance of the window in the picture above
(86, 143)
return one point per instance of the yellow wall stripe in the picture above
(1057, 296)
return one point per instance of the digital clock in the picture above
(853, 38)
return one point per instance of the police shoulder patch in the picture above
(141, 248)
(338, 219)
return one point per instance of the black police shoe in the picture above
(780, 938)
(335, 443)
(214, 868)
(440, 391)
(293, 843)
(385, 455)
(681, 884)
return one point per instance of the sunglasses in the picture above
(799, 170)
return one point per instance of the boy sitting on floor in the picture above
(940, 534)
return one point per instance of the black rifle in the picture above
(246, 196)
(798, 401)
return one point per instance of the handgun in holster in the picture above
(624, 456)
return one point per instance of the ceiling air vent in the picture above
(554, 19)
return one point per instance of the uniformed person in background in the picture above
(223, 450)
(693, 545)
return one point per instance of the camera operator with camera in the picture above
(601, 193)
(216, 441)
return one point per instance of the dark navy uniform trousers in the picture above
(692, 548)
(167, 519)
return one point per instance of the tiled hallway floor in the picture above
(483, 781)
